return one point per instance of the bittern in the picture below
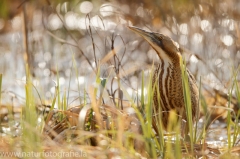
(167, 79)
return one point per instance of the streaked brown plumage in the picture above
(168, 76)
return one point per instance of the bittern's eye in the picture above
(160, 37)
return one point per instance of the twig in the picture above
(26, 55)
(60, 40)
(93, 44)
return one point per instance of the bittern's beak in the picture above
(145, 34)
(163, 45)
(150, 37)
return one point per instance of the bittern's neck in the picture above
(167, 58)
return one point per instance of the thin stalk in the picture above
(76, 71)
(58, 91)
(197, 113)
(0, 88)
(142, 92)
(236, 127)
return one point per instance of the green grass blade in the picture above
(187, 101)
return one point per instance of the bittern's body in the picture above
(167, 79)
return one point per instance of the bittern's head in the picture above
(166, 48)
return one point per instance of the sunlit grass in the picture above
(153, 142)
